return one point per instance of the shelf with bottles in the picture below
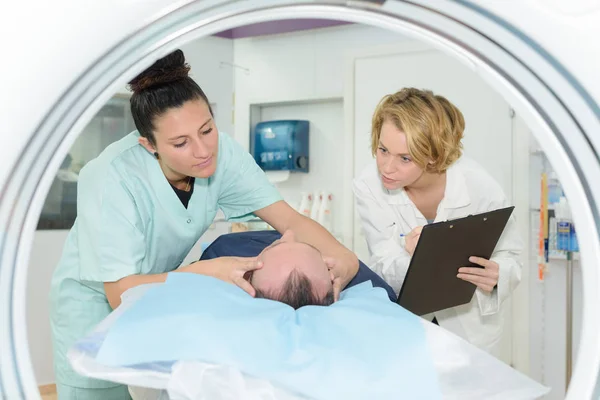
(315, 205)
(560, 232)
(560, 243)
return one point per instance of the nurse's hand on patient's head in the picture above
(485, 278)
(341, 274)
(411, 240)
(228, 269)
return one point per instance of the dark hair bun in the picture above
(168, 69)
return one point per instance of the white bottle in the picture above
(305, 204)
(316, 205)
(324, 216)
(554, 190)
(563, 225)
(552, 236)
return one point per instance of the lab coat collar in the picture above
(456, 194)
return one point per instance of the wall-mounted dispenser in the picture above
(281, 145)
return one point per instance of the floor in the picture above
(48, 392)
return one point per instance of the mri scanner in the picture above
(62, 60)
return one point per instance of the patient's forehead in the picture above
(281, 258)
(282, 252)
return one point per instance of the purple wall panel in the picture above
(276, 27)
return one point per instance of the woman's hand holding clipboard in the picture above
(485, 278)
(444, 251)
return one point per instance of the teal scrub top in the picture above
(130, 221)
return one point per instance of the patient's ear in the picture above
(248, 276)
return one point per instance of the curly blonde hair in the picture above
(433, 126)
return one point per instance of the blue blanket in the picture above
(361, 347)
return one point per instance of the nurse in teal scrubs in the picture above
(146, 200)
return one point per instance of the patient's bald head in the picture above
(293, 273)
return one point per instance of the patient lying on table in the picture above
(293, 273)
(363, 346)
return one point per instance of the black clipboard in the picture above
(431, 284)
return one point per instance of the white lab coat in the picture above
(385, 215)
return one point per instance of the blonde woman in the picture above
(419, 176)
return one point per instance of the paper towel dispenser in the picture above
(281, 145)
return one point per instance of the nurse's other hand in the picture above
(485, 278)
(411, 240)
(342, 270)
(230, 269)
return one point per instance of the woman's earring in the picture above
(156, 155)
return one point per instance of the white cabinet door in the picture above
(487, 116)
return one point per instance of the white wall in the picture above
(297, 66)
(520, 195)
(325, 118)
(205, 57)
(306, 67)
(209, 59)
(547, 301)
(47, 249)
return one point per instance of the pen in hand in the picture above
(412, 239)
